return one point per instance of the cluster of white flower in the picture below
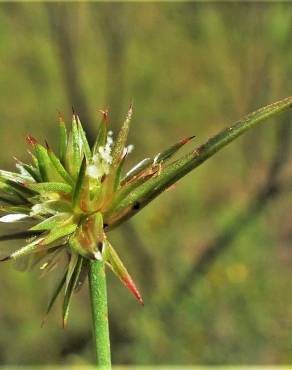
(102, 160)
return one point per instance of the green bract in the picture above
(73, 197)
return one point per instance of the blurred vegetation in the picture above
(213, 257)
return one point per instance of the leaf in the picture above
(80, 185)
(74, 150)
(45, 187)
(85, 145)
(58, 233)
(145, 193)
(168, 153)
(71, 287)
(59, 167)
(71, 268)
(113, 261)
(121, 139)
(32, 247)
(10, 195)
(51, 222)
(56, 292)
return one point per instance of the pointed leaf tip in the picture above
(129, 283)
(104, 114)
(31, 140)
(187, 139)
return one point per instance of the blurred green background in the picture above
(213, 257)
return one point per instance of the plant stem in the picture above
(98, 295)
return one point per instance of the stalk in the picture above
(98, 295)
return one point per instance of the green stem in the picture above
(98, 295)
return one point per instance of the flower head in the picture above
(71, 199)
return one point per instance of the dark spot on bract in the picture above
(136, 205)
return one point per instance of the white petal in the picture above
(13, 217)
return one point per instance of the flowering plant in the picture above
(71, 199)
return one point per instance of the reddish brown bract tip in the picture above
(186, 139)
(47, 145)
(31, 140)
(131, 285)
(104, 114)
(61, 117)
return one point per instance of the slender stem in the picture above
(98, 295)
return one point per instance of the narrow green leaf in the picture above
(121, 139)
(58, 233)
(144, 194)
(10, 195)
(80, 185)
(51, 222)
(71, 268)
(70, 290)
(32, 171)
(44, 187)
(85, 145)
(56, 292)
(114, 262)
(168, 153)
(74, 150)
(59, 167)
(32, 247)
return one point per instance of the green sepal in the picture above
(85, 145)
(81, 189)
(71, 287)
(46, 169)
(51, 207)
(31, 170)
(74, 150)
(58, 233)
(60, 168)
(51, 222)
(121, 139)
(10, 195)
(112, 259)
(47, 187)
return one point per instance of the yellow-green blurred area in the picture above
(212, 257)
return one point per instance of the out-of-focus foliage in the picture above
(191, 68)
